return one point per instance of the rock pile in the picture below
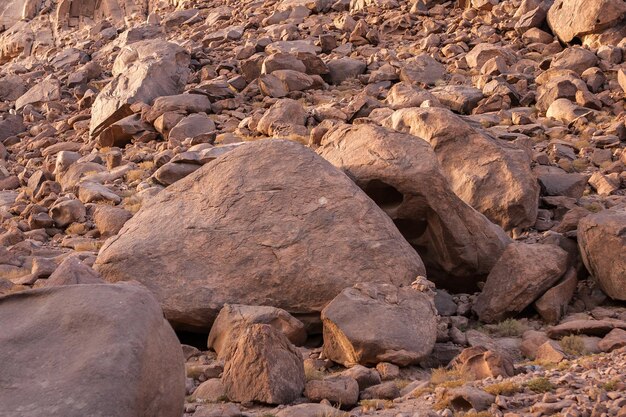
(344, 207)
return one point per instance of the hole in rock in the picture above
(197, 340)
(411, 229)
(576, 41)
(460, 404)
(383, 194)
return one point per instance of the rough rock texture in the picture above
(264, 366)
(492, 176)
(523, 274)
(602, 243)
(373, 323)
(571, 19)
(142, 72)
(401, 173)
(233, 319)
(236, 206)
(101, 350)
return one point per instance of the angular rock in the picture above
(90, 347)
(285, 112)
(263, 366)
(231, 206)
(42, 92)
(422, 69)
(142, 72)
(342, 69)
(373, 323)
(587, 327)
(72, 272)
(233, 320)
(602, 244)
(341, 390)
(550, 352)
(523, 274)
(571, 19)
(479, 363)
(552, 305)
(615, 339)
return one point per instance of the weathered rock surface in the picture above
(233, 320)
(102, 350)
(402, 175)
(142, 72)
(523, 274)
(501, 186)
(602, 243)
(570, 19)
(232, 206)
(263, 366)
(373, 323)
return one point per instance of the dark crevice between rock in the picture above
(197, 340)
(384, 195)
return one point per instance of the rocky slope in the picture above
(351, 207)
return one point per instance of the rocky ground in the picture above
(312, 208)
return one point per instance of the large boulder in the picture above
(142, 72)
(373, 323)
(268, 223)
(97, 350)
(570, 19)
(401, 173)
(10, 13)
(523, 274)
(265, 367)
(71, 13)
(602, 243)
(490, 175)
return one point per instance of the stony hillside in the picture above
(312, 208)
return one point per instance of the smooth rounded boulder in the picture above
(269, 223)
(602, 244)
(101, 350)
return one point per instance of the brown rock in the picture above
(71, 272)
(263, 366)
(142, 72)
(552, 305)
(615, 339)
(80, 342)
(233, 320)
(231, 206)
(373, 323)
(492, 176)
(570, 19)
(602, 244)
(550, 352)
(402, 175)
(341, 390)
(587, 327)
(523, 273)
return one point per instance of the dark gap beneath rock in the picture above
(383, 194)
(197, 340)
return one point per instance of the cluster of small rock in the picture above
(343, 196)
